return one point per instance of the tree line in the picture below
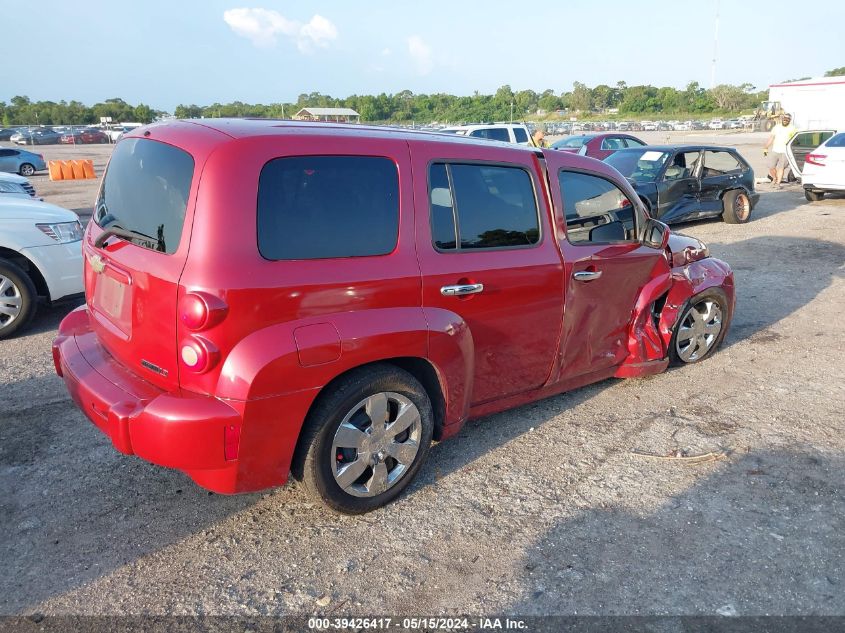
(22, 111)
(406, 106)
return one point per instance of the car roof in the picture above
(246, 128)
(673, 148)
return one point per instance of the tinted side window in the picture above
(597, 211)
(810, 140)
(7, 152)
(633, 143)
(495, 207)
(612, 143)
(315, 207)
(718, 163)
(520, 135)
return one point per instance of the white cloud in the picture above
(386, 52)
(421, 54)
(263, 26)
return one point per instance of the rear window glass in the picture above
(145, 190)
(837, 141)
(316, 207)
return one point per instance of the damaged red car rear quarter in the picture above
(326, 299)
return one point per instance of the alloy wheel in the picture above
(698, 331)
(376, 444)
(742, 206)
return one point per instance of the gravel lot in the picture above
(545, 509)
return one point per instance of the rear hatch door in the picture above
(131, 277)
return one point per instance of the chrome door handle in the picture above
(461, 290)
(587, 275)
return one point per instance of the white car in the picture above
(40, 259)
(14, 186)
(822, 169)
(716, 124)
(507, 132)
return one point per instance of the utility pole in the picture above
(715, 48)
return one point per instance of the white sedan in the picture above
(823, 168)
(40, 259)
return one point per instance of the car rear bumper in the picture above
(824, 186)
(225, 446)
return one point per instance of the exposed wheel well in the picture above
(419, 368)
(29, 268)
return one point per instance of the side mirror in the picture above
(656, 234)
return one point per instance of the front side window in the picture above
(318, 207)
(683, 165)
(720, 163)
(482, 206)
(145, 190)
(597, 211)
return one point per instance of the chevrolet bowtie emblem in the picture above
(97, 263)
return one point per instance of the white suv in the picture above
(40, 258)
(507, 132)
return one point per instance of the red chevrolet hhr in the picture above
(268, 298)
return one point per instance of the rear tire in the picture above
(813, 196)
(736, 207)
(26, 170)
(353, 470)
(17, 299)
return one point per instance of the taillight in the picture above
(816, 159)
(198, 354)
(200, 310)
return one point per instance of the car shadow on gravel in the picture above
(763, 534)
(74, 509)
(48, 317)
(775, 276)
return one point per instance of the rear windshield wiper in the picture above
(121, 232)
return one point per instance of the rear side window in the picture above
(317, 207)
(145, 190)
(482, 206)
(630, 142)
(492, 133)
(837, 141)
(520, 135)
(718, 163)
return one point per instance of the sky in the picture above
(164, 53)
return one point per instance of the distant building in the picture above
(337, 115)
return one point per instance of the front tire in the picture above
(736, 207)
(701, 328)
(813, 196)
(17, 299)
(26, 170)
(366, 439)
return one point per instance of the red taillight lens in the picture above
(815, 159)
(198, 355)
(200, 310)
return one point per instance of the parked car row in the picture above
(50, 135)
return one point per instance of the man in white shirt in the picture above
(780, 136)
